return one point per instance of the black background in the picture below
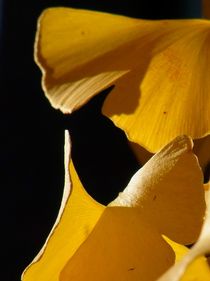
(32, 132)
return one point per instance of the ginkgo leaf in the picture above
(77, 216)
(180, 271)
(160, 69)
(173, 97)
(81, 52)
(168, 190)
(201, 149)
(199, 270)
(122, 246)
(93, 242)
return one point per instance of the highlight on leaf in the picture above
(159, 69)
(169, 191)
(92, 241)
(132, 232)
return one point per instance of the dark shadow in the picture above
(207, 173)
(142, 155)
(100, 151)
(202, 150)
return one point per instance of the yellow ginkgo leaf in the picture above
(122, 246)
(201, 149)
(199, 270)
(92, 242)
(169, 192)
(173, 96)
(82, 52)
(77, 217)
(160, 69)
(180, 271)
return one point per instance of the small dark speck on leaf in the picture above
(164, 112)
(132, 268)
(154, 198)
(82, 32)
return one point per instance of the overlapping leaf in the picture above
(180, 271)
(160, 69)
(91, 242)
